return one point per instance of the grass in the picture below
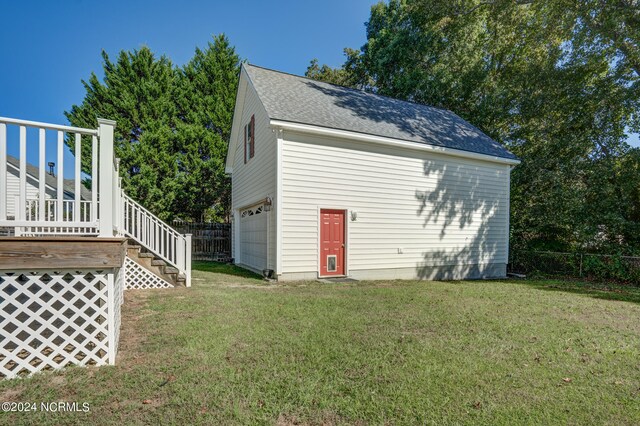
(235, 350)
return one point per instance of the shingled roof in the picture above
(297, 99)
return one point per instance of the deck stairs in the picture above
(36, 202)
(155, 264)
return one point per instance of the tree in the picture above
(349, 75)
(556, 82)
(208, 85)
(173, 126)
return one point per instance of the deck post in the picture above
(105, 177)
(111, 324)
(187, 260)
(3, 172)
(116, 196)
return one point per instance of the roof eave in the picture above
(382, 140)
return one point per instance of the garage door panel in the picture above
(253, 237)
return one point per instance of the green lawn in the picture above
(235, 350)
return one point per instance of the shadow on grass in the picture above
(597, 290)
(223, 268)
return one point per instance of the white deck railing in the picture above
(108, 213)
(57, 211)
(156, 236)
(72, 223)
(69, 210)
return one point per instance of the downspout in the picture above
(278, 202)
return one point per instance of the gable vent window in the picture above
(249, 139)
(252, 211)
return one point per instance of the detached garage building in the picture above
(330, 181)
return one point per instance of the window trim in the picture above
(252, 144)
(244, 144)
(249, 139)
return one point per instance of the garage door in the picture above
(253, 237)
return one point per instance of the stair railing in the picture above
(156, 236)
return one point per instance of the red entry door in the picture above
(332, 242)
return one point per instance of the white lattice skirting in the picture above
(138, 278)
(51, 319)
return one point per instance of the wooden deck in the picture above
(61, 252)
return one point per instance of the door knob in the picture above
(342, 245)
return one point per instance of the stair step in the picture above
(154, 265)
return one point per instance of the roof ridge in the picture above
(300, 76)
(304, 77)
(299, 99)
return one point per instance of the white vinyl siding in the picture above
(414, 209)
(254, 181)
(13, 189)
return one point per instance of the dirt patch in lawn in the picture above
(134, 313)
(11, 394)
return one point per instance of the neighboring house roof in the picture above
(302, 100)
(51, 181)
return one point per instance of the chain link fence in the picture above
(576, 265)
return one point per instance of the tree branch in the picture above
(461, 12)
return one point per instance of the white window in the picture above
(249, 139)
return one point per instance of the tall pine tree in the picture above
(205, 103)
(173, 127)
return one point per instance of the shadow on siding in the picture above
(458, 199)
(460, 202)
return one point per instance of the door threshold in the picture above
(338, 279)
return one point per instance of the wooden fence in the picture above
(209, 241)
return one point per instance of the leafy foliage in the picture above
(600, 268)
(556, 82)
(173, 126)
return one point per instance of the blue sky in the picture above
(52, 45)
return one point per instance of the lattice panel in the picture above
(139, 278)
(117, 309)
(50, 319)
